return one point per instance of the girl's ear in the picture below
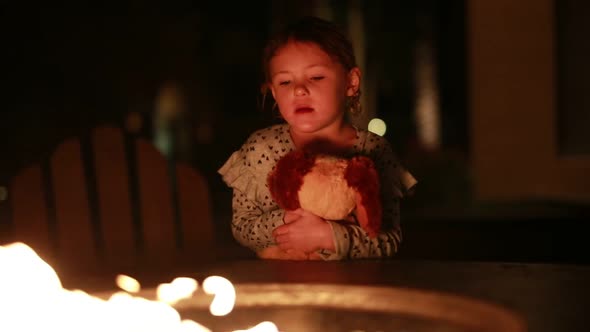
(354, 81)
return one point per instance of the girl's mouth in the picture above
(301, 110)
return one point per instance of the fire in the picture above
(178, 289)
(32, 298)
(127, 283)
(225, 295)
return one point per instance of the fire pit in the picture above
(30, 288)
(318, 307)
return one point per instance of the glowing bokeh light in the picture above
(127, 283)
(225, 295)
(178, 289)
(377, 126)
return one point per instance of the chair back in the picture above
(110, 201)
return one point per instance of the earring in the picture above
(354, 103)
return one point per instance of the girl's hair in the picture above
(325, 34)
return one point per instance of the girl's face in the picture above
(309, 87)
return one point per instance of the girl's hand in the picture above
(304, 231)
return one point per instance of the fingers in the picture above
(282, 238)
(283, 242)
(281, 230)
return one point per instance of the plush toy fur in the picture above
(328, 186)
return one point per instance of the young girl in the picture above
(311, 71)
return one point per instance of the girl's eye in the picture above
(284, 82)
(317, 78)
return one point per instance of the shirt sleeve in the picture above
(351, 241)
(254, 214)
(252, 226)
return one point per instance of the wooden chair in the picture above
(110, 202)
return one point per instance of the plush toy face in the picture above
(325, 192)
(329, 187)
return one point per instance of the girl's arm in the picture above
(304, 231)
(251, 226)
(351, 241)
(346, 240)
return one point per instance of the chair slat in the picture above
(195, 212)
(157, 213)
(30, 213)
(112, 182)
(74, 229)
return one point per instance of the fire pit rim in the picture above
(462, 310)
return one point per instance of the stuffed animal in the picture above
(329, 186)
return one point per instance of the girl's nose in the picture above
(301, 90)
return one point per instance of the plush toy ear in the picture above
(286, 179)
(362, 176)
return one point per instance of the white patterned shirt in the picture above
(255, 215)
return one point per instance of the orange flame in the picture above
(33, 299)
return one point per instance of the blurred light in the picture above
(170, 102)
(427, 111)
(134, 122)
(3, 193)
(163, 142)
(127, 283)
(377, 126)
(204, 133)
(225, 295)
(172, 123)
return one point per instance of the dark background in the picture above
(69, 67)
